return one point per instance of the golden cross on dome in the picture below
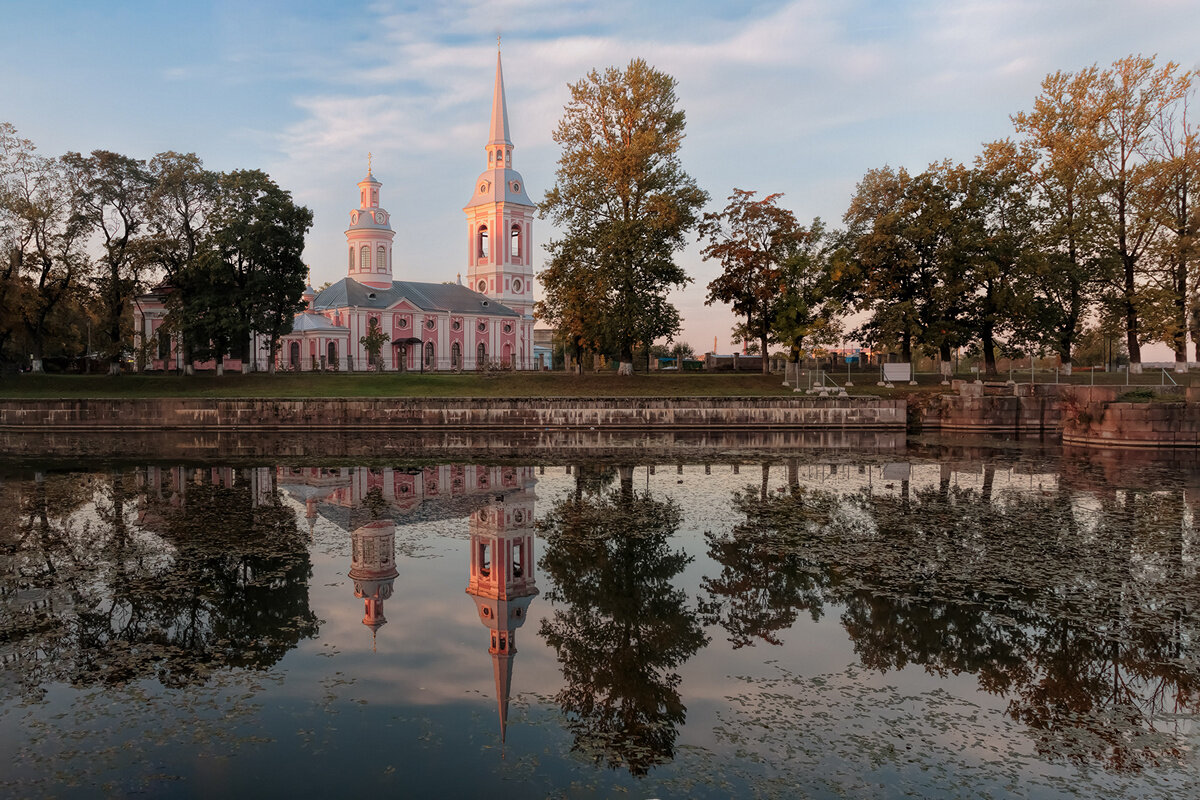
(369, 154)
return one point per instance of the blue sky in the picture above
(793, 97)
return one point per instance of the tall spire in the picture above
(499, 127)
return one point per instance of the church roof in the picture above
(314, 322)
(499, 126)
(499, 186)
(450, 297)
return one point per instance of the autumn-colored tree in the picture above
(624, 202)
(1177, 150)
(752, 239)
(1128, 99)
(1062, 137)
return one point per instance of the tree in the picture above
(625, 204)
(902, 261)
(373, 341)
(180, 206)
(1061, 134)
(110, 192)
(258, 237)
(1129, 97)
(1178, 154)
(752, 239)
(43, 241)
(805, 312)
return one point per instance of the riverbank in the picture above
(790, 412)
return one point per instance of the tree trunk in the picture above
(626, 367)
(766, 367)
(1131, 321)
(946, 367)
(1180, 300)
(906, 347)
(988, 341)
(220, 364)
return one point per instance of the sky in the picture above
(795, 97)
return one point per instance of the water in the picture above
(925, 621)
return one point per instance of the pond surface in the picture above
(929, 622)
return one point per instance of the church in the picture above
(430, 326)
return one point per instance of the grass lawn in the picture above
(506, 384)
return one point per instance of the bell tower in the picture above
(502, 582)
(500, 219)
(369, 237)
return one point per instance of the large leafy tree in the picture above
(1177, 150)
(806, 311)
(903, 263)
(624, 202)
(178, 211)
(44, 243)
(1128, 98)
(110, 193)
(752, 239)
(1062, 138)
(257, 237)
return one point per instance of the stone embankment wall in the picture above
(1092, 416)
(994, 408)
(744, 413)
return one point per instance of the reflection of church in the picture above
(373, 569)
(502, 581)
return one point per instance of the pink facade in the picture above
(430, 326)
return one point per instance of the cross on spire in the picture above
(369, 154)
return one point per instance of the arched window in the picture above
(429, 355)
(485, 560)
(507, 355)
(331, 356)
(514, 238)
(381, 259)
(481, 356)
(294, 355)
(352, 259)
(364, 259)
(483, 241)
(455, 356)
(164, 344)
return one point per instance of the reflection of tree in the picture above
(216, 580)
(763, 585)
(1083, 618)
(622, 628)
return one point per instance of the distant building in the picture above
(431, 326)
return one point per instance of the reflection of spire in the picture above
(373, 570)
(503, 582)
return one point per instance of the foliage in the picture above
(625, 205)
(257, 240)
(373, 341)
(110, 191)
(754, 240)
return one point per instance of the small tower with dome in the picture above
(369, 237)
